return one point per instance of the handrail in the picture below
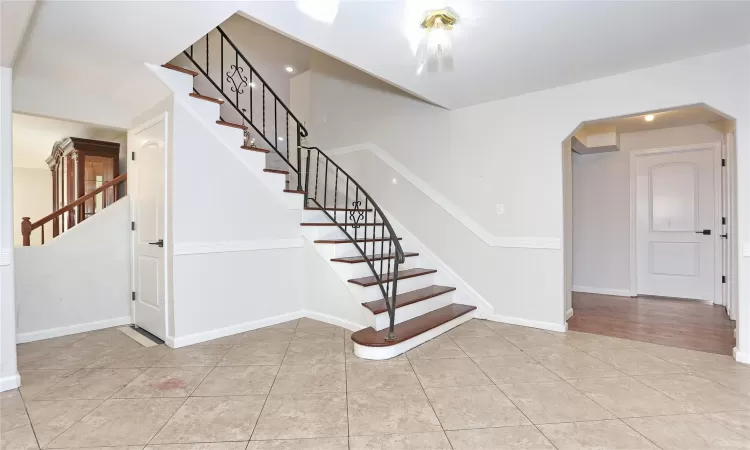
(250, 85)
(27, 226)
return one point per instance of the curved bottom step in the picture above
(371, 344)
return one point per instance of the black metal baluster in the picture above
(221, 69)
(346, 201)
(251, 86)
(264, 113)
(325, 184)
(236, 67)
(307, 174)
(275, 124)
(207, 70)
(299, 160)
(317, 171)
(286, 132)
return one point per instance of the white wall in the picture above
(9, 378)
(509, 152)
(32, 189)
(601, 206)
(49, 279)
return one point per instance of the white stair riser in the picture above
(408, 312)
(333, 232)
(208, 111)
(359, 270)
(371, 293)
(340, 216)
(343, 250)
(380, 353)
(231, 136)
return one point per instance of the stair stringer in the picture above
(231, 138)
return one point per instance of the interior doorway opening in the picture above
(650, 242)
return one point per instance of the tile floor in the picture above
(297, 386)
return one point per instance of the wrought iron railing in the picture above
(327, 187)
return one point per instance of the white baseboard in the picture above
(551, 326)
(32, 336)
(742, 357)
(10, 382)
(603, 291)
(333, 320)
(568, 314)
(197, 338)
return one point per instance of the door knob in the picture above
(159, 243)
(704, 232)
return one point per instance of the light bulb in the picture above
(649, 118)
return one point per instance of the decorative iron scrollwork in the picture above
(236, 85)
(356, 214)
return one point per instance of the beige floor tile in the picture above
(537, 339)
(310, 379)
(25, 356)
(693, 432)
(468, 407)
(119, 422)
(692, 359)
(164, 382)
(212, 419)
(636, 362)
(574, 365)
(297, 416)
(311, 324)
(131, 358)
(118, 447)
(201, 446)
(389, 412)
(309, 352)
(255, 354)
(237, 380)
(626, 397)
(21, 438)
(553, 402)
(90, 384)
(317, 334)
(193, 356)
(68, 358)
(697, 393)
(438, 348)
(472, 328)
(512, 369)
(415, 441)
(110, 338)
(588, 342)
(735, 379)
(265, 335)
(51, 418)
(380, 375)
(61, 341)
(434, 373)
(507, 438)
(605, 434)
(506, 329)
(738, 421)
(486, 346)
(35, 381)
(301, 444)
(291, 324)
(12, 413)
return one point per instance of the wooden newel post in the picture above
(26, 231)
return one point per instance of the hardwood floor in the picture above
(679, 323)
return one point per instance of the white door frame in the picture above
(133, 170)
(717, 228)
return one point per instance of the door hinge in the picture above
(133, 296)
(723, 220)
(723, 279)
(132, 156)
(723, 162)
(132, 226)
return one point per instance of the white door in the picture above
(147, 170)
(675, 212)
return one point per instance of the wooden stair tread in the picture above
(294, 191)
(230, 124)
(408, 298)
(308, 208)
(255, 149)
(411, 328)
(334, 224)
(402, 274)
(281, 171)
(207, 98)
(375, 257)
(180, 69)
(350, 241)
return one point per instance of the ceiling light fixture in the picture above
(649, 118)
(289, 69)
(435, 52)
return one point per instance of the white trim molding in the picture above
(6, 256)
(333, 320)
(199, 248)
(197, 338)
(449, 207)
(603, 291)
(568, 314)
(550, 326)
(32, 336)
(742, 357)
(10, 382)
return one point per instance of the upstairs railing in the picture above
(75, 210)
(325, 185)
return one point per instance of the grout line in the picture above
(428, 400)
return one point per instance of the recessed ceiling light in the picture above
(289, 69)
(281, 138)
(252, 84)
(649, 118)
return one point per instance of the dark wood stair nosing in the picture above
(279, 171)
(334, 224)
(232, 125)
(308, 208)
(411, 328)
(294, 191)
(255, 149)
(350, 241)
(409, 298)
(402, 275)
(218, 101)
(180, 69)
(378, 257)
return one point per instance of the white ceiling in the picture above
(33, 138)
(507, 48)
(14, 18)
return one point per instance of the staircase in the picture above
(340, 218)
